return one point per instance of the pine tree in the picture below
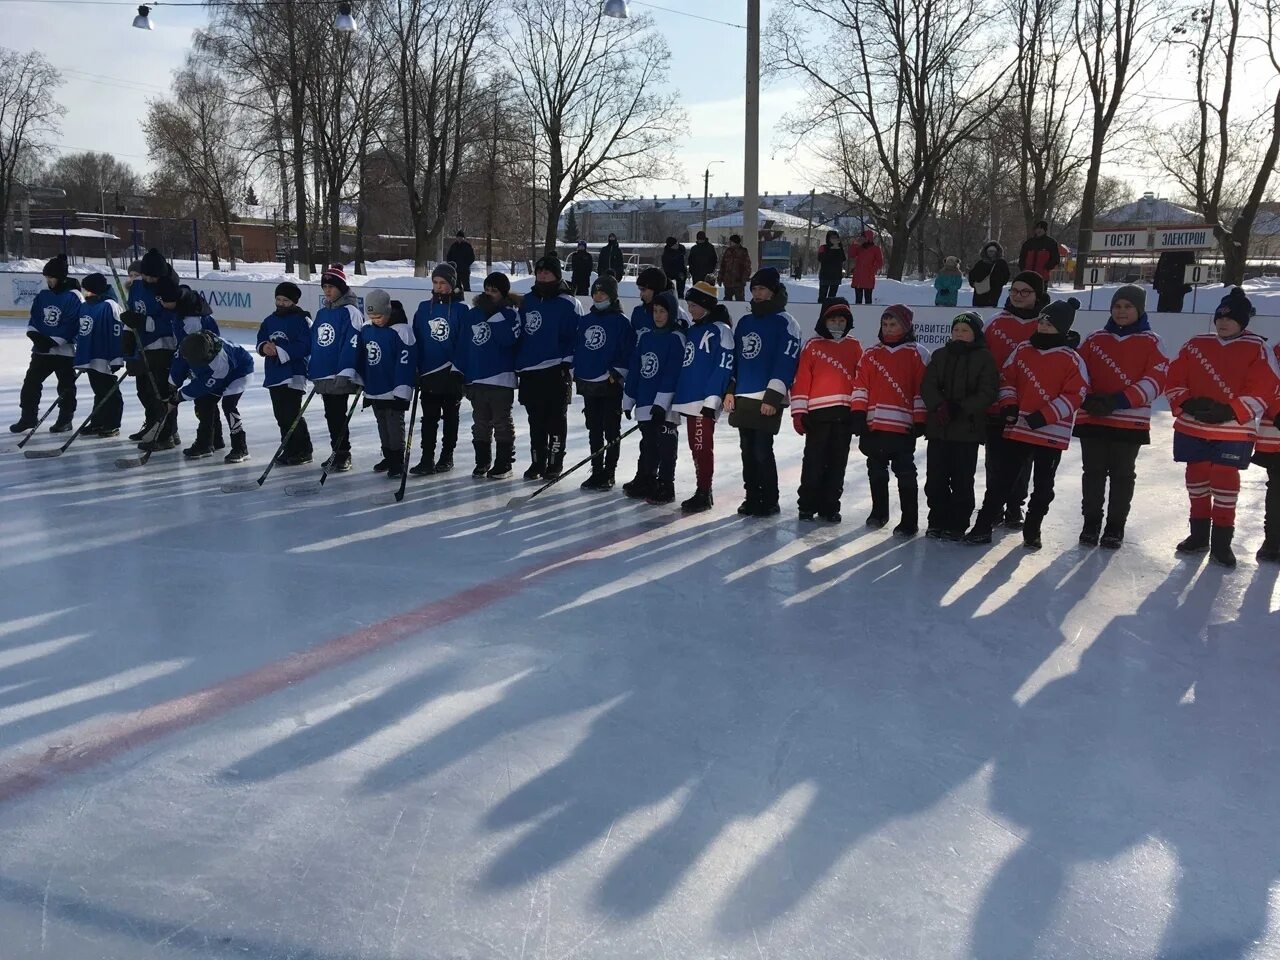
(571, 226)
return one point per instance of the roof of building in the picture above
(776, 218)
(1147, 211)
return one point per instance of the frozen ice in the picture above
(254, 725)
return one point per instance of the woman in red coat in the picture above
(867, 258)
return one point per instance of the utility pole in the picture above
(751, 152)
(706, 184)
(533, 202)
(808, 240)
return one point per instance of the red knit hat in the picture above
(335, 275)
(903, 314)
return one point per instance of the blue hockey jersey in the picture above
(335, 340)
(548, 327)
(191, 316)
(56, 315)
(290, 332)
(387, 361)
(487, 346)
(157, 332)
(225, 376)
(766, 354)
(437, 325)
(708, 366)
(642, 317)
(604, 344)
(98, 342)
(655, 371)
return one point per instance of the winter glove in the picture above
(128, 342)
(566, 372)
(917, 429)
(1193, 406)
(1036, 420)
(707, 413)
(627, 413)
(1099, 404)
(40, 340)
(858, 422)
(797, 422)
(1121, 401)
(1215, 412)
(954, 409)
(942, 415)
(1009, 413)
(133, 319)
(657, 413)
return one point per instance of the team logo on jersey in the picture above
(439, 329)
(689, 351)
(86, 325)
(51, 316)
(532, 321)
(751, 345)
(139, 307)
(594, 337)
(325, 335)
(480, 334)
(373, 352)
(649, 365)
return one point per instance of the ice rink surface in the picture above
(268, 727)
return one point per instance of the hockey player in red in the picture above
(1267, 455)
(1127, 370)
(1220, 384)
(888, 414)
(820, 412)
(1041, 386)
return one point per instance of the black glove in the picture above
(1215, 412)
(858, 422)
(917, 429)
(133, 319)
(707, 413)
(1193, 406)
(1036, 420)
(128, 342)
(954, 410)
(40, 340)
(1099, 404)
(627, 414)
(1009, 413)
(657, 413)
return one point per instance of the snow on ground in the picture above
(255, 725)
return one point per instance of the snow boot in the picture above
(699, 502)
(63, 425)
(663, 492)
(239, 452)
(594, 482)
(1013, 517)
(1220, 547)
(554, 467)
(879, 514)
(981, 532)
(382, 465)
(1031, 531)
(25, 422)
(484, 459)
(833, 517)
(909, 501)
(1269, 552)
(639, 487)
(1091, 532)
(501, 468)
(424, 466)
(395, 464)
(295, 459)
(445, 463)
(1198, 542)
(1112, 535)
(338, 462)
(137, 436)
(536, 466)
(199, 450)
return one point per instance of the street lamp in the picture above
(616, 9)
(344, 22)
(143, 20)
(706, 187)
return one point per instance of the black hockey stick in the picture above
(49, 454)
(404, 454)
(245, 486)
(32, 432)
(515, 502)
(303, 490)
(125, 463)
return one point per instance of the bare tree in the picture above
(1115, 40)
(1224, 157)
(894, 87)
(28, 114)
(593, 87)
(90, 178)
(189, 143)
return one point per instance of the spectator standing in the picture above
(462, 255)
(735, 268)
(948, 283)
(1168, 281)
(702, 259)
(831, 260)
(611, 260)
(674, 264)
(989, 275)
(581, 264)
(1040, 252)
(867, 258)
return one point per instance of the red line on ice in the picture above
(111, 739)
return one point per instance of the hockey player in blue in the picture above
(187, 313)
(649, 283)
(151, 328)
(649, 395)
(335, 353)
(55, 320)
(766, 354)
(388, 367)
(99, 354)
(487, 357)
(600, 360)
(544, 359)
(437, 326)
(704, 380)
(284, 341)
(206, 370)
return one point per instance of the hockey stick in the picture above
(125, 463)
(515, 502)
(49, 454)
(245, 486)
(396, 497)
(301, 490)
(31, 433)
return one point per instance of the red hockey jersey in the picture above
(1134, 364)
(825, 375)
(887, 386)
(1050, 382)
(1268, 435)
(1240, 372)
(1003, 335)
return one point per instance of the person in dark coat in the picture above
(1040, 252)
(1168, 281)
(673, 264)
(959, 384)
(988, 276)
(580, 266)
(462, 255)
(611, 260)
(702, 259)
(831, 261)
(735, 268)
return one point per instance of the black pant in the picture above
(437, 407)
(862, 294)
(1010, 460)
(950, 466)
(759, 468)
(491, 414)
(680, 282)
(581, 284)
(335, 418)
(107, 412)
(826, 455)
(1021, 483)
(603, 414)
(733, 293)
(659, 441)
(389, 415)
(1271, 518)
(887, 451)
(155, 391)
(828, 290)
(1107, 459)
(42, 366)
(464, 277)
(1170, 302)
(208, 426)
(544, 395)
(286, 404)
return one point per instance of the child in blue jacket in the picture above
(335, 345)
(388, 367)
(649, 395)
(284, 340)
(544, 360)
(704, 380)
(947, 283)
(437, 326)
(600, 361)
(213, 370)
(55, 320)
(487, 357)
(99, 353)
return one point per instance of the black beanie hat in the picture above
(290, 291)
(606, 284)
(95, 283)
(152, 264)
(651, 278)
(1236, 306)
(57, 267)
(499, 282)
(1032, 280)
(446, 272)
(1061, 313)
(199, 349)
(973, 320)
(168, 290)
(552, 263)
(767, 277)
